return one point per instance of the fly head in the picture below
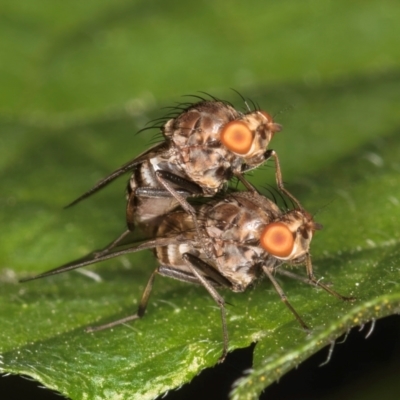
(289, 237)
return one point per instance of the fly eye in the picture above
(237, 137)
(277, 239)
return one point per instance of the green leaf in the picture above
(338, 150)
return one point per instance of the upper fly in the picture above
(206, 145)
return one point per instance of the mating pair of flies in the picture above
(227, 242)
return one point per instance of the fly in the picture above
(205, 145)
(247, 236)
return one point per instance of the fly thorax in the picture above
(237, 263)
(206, 165)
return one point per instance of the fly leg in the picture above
(140, 312)
(210, 279)
(246, 183)
(196, 265)
(165, 179)
(129, 219)
(312, 283)
(142, 192)
(279, 180)
(283, 297)
(313, 280)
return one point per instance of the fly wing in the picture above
(128, 167)
(93, 257)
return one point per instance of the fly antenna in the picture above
(323, 207)
(283, 110)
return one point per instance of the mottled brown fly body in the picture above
(243, 236)
(205, 145)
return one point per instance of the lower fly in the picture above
(247, 236)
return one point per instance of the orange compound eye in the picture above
(237, 137)
(277, 239)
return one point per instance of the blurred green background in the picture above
(90, 57)
(79, 78)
